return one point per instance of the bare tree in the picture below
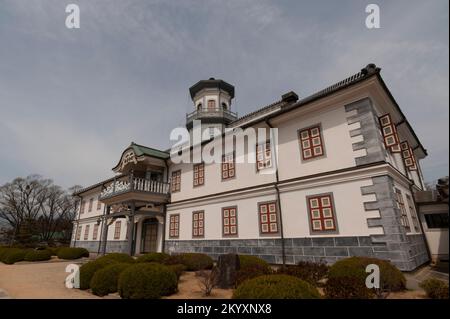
(208, 280)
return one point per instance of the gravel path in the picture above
(43, 280)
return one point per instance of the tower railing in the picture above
(211, 113)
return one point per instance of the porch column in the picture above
(131, 230)
(105, 230)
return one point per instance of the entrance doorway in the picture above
(150, 235)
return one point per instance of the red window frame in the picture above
(86, 232)
(82, 206)
(175, 184)
(408, 156)
(229, 221)
(389, 132)
(95, 232)
(174, 226)
(117, 228)
(228, 166)
(198, 224)
(404, 214)
(311, 142)
(268, 218)
(199, 174)
(99, 203)
(91, 203)
(211, 104)
(321, 213)
(263, 156)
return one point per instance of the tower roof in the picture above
(211, 83)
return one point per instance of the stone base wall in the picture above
(317, 249)
(117, 246)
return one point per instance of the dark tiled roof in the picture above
(140, 150)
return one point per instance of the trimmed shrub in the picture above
(196, 261)
(308, 271)
(72, 253)
(105, 280)
(147, 281)
(3, 251)
(174, 260)
(160, 258)
(347, 278)
(435, 289)
(38, 255)
(247, 261)
(54, 250)
(14, 255)
(88, 270)
(178, 269)
(275, 287)
(251, 272)
(118, 257)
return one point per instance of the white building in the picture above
(348, 165)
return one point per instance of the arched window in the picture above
(211, 104)
(199, 107)
(224, 106)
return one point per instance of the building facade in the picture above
(338, 181)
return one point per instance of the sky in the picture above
(71, 100)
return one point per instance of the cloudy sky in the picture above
(72, 100)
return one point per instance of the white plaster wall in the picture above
(437, 238)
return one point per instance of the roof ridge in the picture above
(151, 148)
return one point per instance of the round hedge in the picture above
(88, 270)
(147, 281)
(38, 255)
(105, 280)
(153, 258)
(249, 261)
(72, 253)
(196, 261)
(118, 257)
(3, 251)
(14, 255)
(275, 287)
(347, 278)
(54, 250)
(178, 269)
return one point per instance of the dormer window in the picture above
(211, 104)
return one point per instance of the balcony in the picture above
(217, 115)
(128, 188)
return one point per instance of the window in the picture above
(229, 221)
(199, 174)
(198, 224)
(86, 232)
(436, 220)
(412, 211)
(91, 202)
(174, 226)
(117, 229)
(82, 207)
(199, 107)
(228, 166)
(99, 203)
(389, 131)
(401, 205)
(95, 233)
(311, 142)
(263, 156)
(268, 219)
(224, 106)
(408, 156)
(211, 132)
(211, 104)
(321, 213)
(79, 232)
(176, 181)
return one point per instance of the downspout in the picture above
(277, 180)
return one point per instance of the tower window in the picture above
(199, 107)
(224, 106)
(211, 104)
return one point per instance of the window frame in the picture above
(86, 232)
(82, 206)
(229, 208)
(99, 203)
(198, 213)
(197, 166)
(178, 173)
(91, 204)
(95, 231)
(322, 219)
(228, 167)
(394, 148)
(173, 223)
(268, 222)
(78, 234)
(117, 229)
(408, 156)
(265, 157)
(404, 218)
(310, 141)
(208, 103)
(413, 212)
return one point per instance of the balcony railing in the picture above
(211, 113)
(135, 184)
